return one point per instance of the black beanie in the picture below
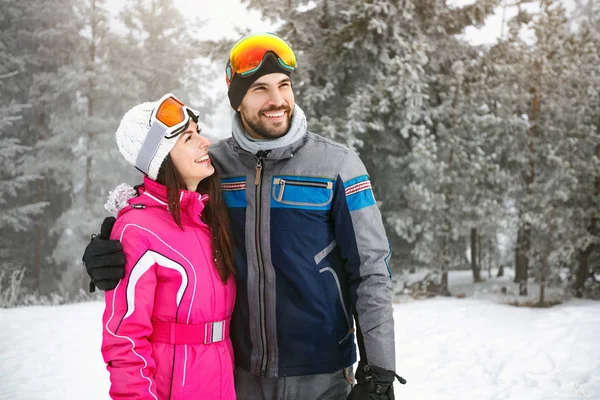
(239, 85)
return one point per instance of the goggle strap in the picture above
(150, 147)
(284, 65)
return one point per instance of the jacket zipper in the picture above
(283, 182)
(261, 267)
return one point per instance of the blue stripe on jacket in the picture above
(362, 198)
(235, 197)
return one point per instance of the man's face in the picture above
(267, 107)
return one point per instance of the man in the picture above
(311, 249)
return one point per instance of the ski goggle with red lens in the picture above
(247, 55)
(167, 121)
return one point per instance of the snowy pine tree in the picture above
(97, 166)
(158, 49)
(16, 216)
(552, 84)
(42, 38)
(155, 56)
(365, 78)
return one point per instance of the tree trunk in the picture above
(490, 258)
(448, 197)
(39, 226)
(37, 247)
(90, 113)
(524, 234)
(479, 256)
(444, 284)
(445, 263)
(474, 267)
(545, 268)
(90, 98)
(521, 260)
(445, 259)
(597, 179)
(582, 272)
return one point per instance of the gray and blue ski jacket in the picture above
(311, 254)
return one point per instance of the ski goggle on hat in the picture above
(247, 55)
(168, 119)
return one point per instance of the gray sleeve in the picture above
(365, 248)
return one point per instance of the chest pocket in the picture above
(302, 192)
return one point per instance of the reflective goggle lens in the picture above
(168, 119)
(170, 112)
(247, 54)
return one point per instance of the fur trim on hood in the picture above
(118, 198)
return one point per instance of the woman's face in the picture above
(190, 156)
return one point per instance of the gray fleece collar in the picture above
(295, 133)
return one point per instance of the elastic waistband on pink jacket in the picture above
(177, 333)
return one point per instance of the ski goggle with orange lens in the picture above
(172, 115)
(247, 55)
(167, 121)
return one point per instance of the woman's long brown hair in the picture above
(215, 213)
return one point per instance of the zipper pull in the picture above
(281, 187)
(258, 172)
(259, 164)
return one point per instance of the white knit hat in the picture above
(133, 132)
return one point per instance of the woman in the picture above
(166, 324)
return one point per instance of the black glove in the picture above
(374, 383)
(104, 259)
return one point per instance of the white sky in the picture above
(223, 16)
(220, 17)
(492, 29)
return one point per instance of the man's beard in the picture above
(264, 132)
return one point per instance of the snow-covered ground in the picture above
(447, 349)
(476, 349)
(491, 288)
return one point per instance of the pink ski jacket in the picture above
(166, 324)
